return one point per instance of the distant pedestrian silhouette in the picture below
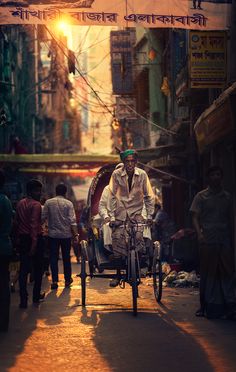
(197, 4)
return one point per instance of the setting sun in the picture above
(63, 26)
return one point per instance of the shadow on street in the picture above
(147, 343)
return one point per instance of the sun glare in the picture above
(64, 27)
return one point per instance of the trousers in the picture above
(4, 292)
(29, 264)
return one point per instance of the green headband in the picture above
(126, 153)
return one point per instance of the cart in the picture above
(96, 261)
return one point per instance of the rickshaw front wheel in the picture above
(157, 272)
(134, 283)
(83, 274)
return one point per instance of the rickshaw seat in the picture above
(102, 258)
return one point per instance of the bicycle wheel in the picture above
(157, 274)
(134, 281)
(83, 276)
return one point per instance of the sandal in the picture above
(114, 283)
(200, 313)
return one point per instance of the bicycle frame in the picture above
(132, 228)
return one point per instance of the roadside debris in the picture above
(182, 279)
(172, 278)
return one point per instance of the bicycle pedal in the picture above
(122, 284)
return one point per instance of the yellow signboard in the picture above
(207, 62)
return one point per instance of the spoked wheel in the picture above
(134, 284)
(83, 275)
(157, 273)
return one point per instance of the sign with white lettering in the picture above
(186, 14)
(208, 66)
(126, 108)
(121, 62)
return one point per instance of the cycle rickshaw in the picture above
(95, 258)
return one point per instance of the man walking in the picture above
(28, 230)
(197, 4)
(62, 226)
(212, 219)
(6, 215)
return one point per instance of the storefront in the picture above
(215, 132)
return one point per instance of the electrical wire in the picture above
(81, 97)
(63, 67)
(92, 45)
(169, 132)
(99, 63)
(82, 76)
(157, 170)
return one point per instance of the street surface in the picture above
(60, 335)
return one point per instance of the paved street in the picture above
(61, 336)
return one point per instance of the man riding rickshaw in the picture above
(120, 213)
(130, 199)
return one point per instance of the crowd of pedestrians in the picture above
(40, 228)
(34, 233)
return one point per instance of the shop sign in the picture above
(121, 62)
(126, 108)
(210, 15)
(207, 63)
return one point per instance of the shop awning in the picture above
(218, 121)
(82, 173)
(158, 152)
(72, 161)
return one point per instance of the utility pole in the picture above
(232, 72)
(36, 80)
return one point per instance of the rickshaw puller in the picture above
(129, 185)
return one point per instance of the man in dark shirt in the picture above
(6, 215)
(29, 235)
(212, 219)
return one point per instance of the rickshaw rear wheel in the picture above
(157, 274)
(134, 281)
(83, 276)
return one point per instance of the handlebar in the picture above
(125, 225)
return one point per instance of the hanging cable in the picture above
(169, 132)
(82, 76)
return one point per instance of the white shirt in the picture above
(125, 202)
(104, 207)
(60, 214)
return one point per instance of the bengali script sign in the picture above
(211, 15)
(208, 53)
